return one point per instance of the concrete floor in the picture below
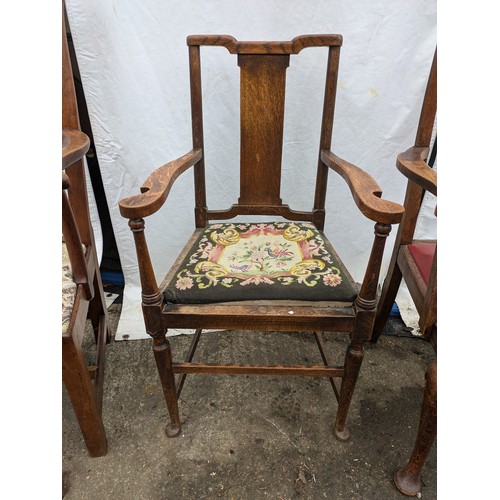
(252, 437)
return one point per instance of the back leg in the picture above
(82, 394)
(407, 479)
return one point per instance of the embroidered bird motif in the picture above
(278, 252)
(244, 267)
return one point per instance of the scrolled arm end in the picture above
(74, 146)
(365, 190)
(155, 189)
(412, 165)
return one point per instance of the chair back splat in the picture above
(263, 68)
(275, 276)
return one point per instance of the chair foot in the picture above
(406, 483)
(407, 479)
(172, 431)
(352, 365)
(342, 435)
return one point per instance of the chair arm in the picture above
(412, 165)
(74, 146)
(365, 191)
(155, 189)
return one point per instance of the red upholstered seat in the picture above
(423, 254)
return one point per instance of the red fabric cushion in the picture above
(423, 255)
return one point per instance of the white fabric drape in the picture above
(133, 62)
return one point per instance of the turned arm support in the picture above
(365, 191)
(155, 189)
(80, 270)
(74, 146)
(412, 165)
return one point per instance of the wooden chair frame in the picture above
(84, 384)
(421, 178)
(263, 68)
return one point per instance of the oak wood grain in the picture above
(262, 108)
(412, 164)
(365, 190)
(270, 370)
(74, 146)
(71, 121)
(269, 47)
(263, 66)
(306, 318)
(326, 134)
(84, 387)
(420, 179)
(277, 210)
(197, 132)
(429, 108)
(155, 189)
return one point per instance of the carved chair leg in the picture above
(407, 479)
(353, 360)
(365, 304)
(163, 358)
(82, 394)
(152, 305)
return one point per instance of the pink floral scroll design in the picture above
(263, 262)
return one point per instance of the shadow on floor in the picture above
(252, 437)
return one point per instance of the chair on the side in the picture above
(83, 296)
(272, 276)
(416, 262)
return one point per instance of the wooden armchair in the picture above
(279, 276)
(83, 296)
(416, 262)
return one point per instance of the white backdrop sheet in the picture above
(133, 61)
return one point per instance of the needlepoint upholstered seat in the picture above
(274, 276)
(258, 261)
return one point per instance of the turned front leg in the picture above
(352, 365)
(366, 305)
(163, 358)
(152, 305)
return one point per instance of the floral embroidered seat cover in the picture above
(260, 261)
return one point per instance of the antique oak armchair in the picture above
(415, 261)
(279, 276)
(83, 297)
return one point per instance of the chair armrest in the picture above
(365, 191)
(74, 146)
(412, 165)
(155, 189)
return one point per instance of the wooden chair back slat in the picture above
(429, 108)
(263, 68)
(262, 94)
(326, 134)
(197, 131)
